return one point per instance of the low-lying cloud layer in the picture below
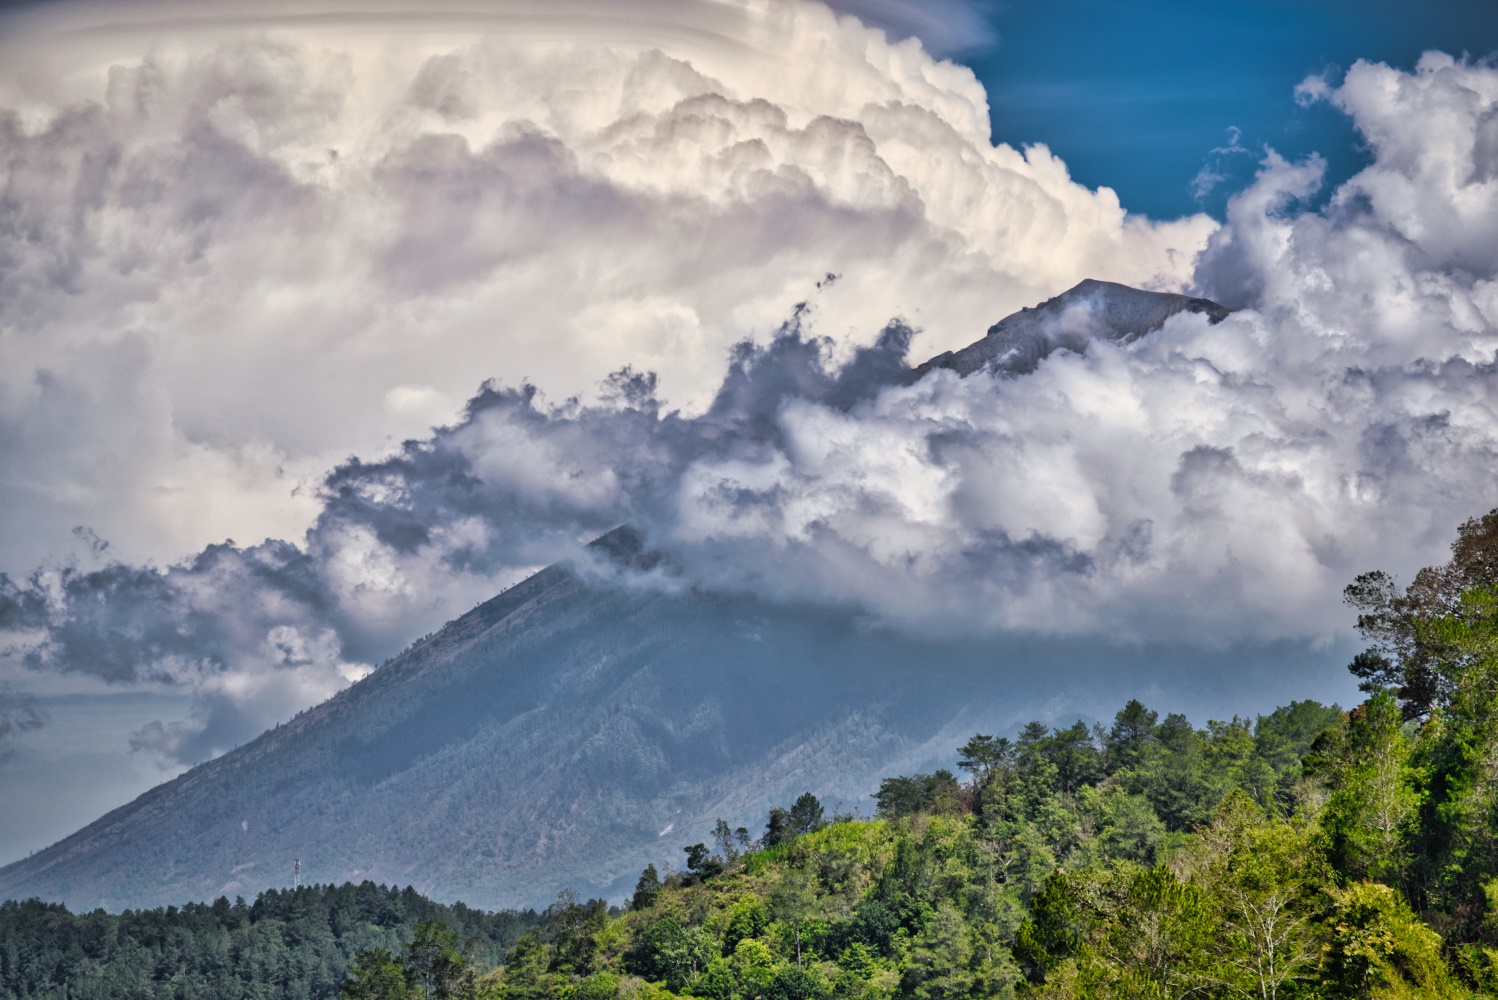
(253, 249)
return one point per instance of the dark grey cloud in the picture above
(19, 713)
(130, 623)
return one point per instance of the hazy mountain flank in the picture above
(564, 733)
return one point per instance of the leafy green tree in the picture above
(907, 795)
(983, 755)
(747, 918)
(1262, 879)
(598, 986)
(573, 927)
(806, 814)
(716, 981)
(778, 828)
(376, 974)
(939, 965)
(725, 840)
(1374, 798)
(1156, 945)
(1407, 657)
(794, 902)
(701, 862)
(647, 889)
(1377, 947)
(1129, 829)
(672, 954)
(1036, 778)
(1133, 730)
(900, 796)
(864, 975)
(754, 966)
(1058, 925)
(1077, 757)
(1284, 737)
(795, 983)
(1456, 754)
(1031, 859)
(527, 972)
(442, 972)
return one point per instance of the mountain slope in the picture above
(564, 733)
(1089, 310)
(551, 733)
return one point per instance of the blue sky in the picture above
(1136, 96)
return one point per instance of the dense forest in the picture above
(295, 943)
(1310, 852)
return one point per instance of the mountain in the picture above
(558, 735)
(1088, 311)
(565, 733)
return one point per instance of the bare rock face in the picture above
(1092, 310)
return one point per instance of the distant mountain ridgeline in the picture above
(1090, 310)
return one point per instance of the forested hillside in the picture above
(1310, 852)
(295, 943)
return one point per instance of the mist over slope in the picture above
(565, 732)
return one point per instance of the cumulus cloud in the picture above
(945, 27)
(239, 245)
(249, 255)
(239, 249)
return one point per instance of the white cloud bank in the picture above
(255, 250)
(237, 249)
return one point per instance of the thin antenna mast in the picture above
(296, 874)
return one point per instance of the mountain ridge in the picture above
(1089, 310)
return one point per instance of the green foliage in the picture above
(1262, 877)
(906, 796)
(807, 814)
(298, 943)
(1262, 859)
(1157, 942)
(647, 889)
(376, 974)
(671, 954)
(1377, 947)
(435, 964)
(1374, 792)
